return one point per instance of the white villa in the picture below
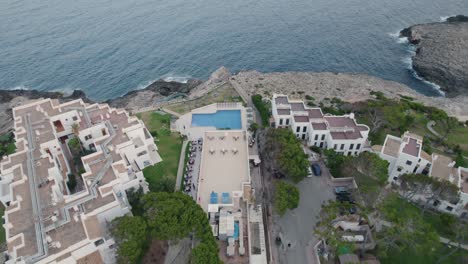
(45, 221)
(340, 133)
(406, 155)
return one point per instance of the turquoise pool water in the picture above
(222, 119)
(236, 230)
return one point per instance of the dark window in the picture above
(358, 146)
(281, 121)
(408, 162)
(335, 146)
(349, 153)
(74, 118)
(351, 146)
(323, 137)
(304, 129)
(399, 169)
(315, 143)
(287, 121)
(355, 152)
(415, 169)
(303, 136)
(316, 137)
(321, 144)
(449, 208)
(342, 146)
(298, 129)
(395, 178)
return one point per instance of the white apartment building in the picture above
(406, 156)
(45, 221)
(340, 133)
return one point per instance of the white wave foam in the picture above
(19, 87)
(174, 78)
(142, 86)
(444, 18)
(396, 36)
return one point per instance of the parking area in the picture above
(295, 228)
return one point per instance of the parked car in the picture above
(341, 189)
(316, 169)
(345, 197)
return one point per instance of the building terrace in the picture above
(45, 220)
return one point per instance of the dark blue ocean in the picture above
(109, 47)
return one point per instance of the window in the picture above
(358, 146)
(304, 129)
(395, 178)
(351, 146)
(449, 208)
(297, 135)
(141, 153)
(355, 153)
(349, 153)
(399, 169)
(303, 136)
(335, 147)
(281, 121)
(316, 137)
(88, 137)
(287, 121)
(323, 137)
(74, 118)
(315, 143)
(342, 146)
(298, 129)
(408, 162)
(321, 144)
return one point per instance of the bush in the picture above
(316, 149)
(71, 183)
(334, 162)
(308, 97)
(263, 109)
(286, 197)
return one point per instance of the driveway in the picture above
(296, 227)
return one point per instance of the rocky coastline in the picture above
(441, 55)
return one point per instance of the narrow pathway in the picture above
(451, 243)
(171, 112)
(180, 170)
(430, 125)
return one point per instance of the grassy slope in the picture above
(162, 176)
(2, 230)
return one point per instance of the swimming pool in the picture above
(222, 119)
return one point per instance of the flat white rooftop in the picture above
(224, 165)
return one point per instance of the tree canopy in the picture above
(288, 152)
(286, 197)
(130, 234)
(263, 108)
(172, 216)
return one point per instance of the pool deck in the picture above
(224, 165)
(184, 123)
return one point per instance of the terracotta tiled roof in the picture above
(319, 126)
(301, 119)
(412, 147)
(284, 112)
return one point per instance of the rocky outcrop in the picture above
(346, 86)
(157, 91)
(442, 53)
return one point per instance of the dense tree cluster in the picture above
(288, 153)
(166, 216)
(263, 108)
(286, 197)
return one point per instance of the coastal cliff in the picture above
(442, 53)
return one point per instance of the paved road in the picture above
(180, 170)
(296, 226)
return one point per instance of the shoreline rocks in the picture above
(442, 53)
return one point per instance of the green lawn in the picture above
(162, 176)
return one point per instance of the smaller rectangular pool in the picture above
(222, 119)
